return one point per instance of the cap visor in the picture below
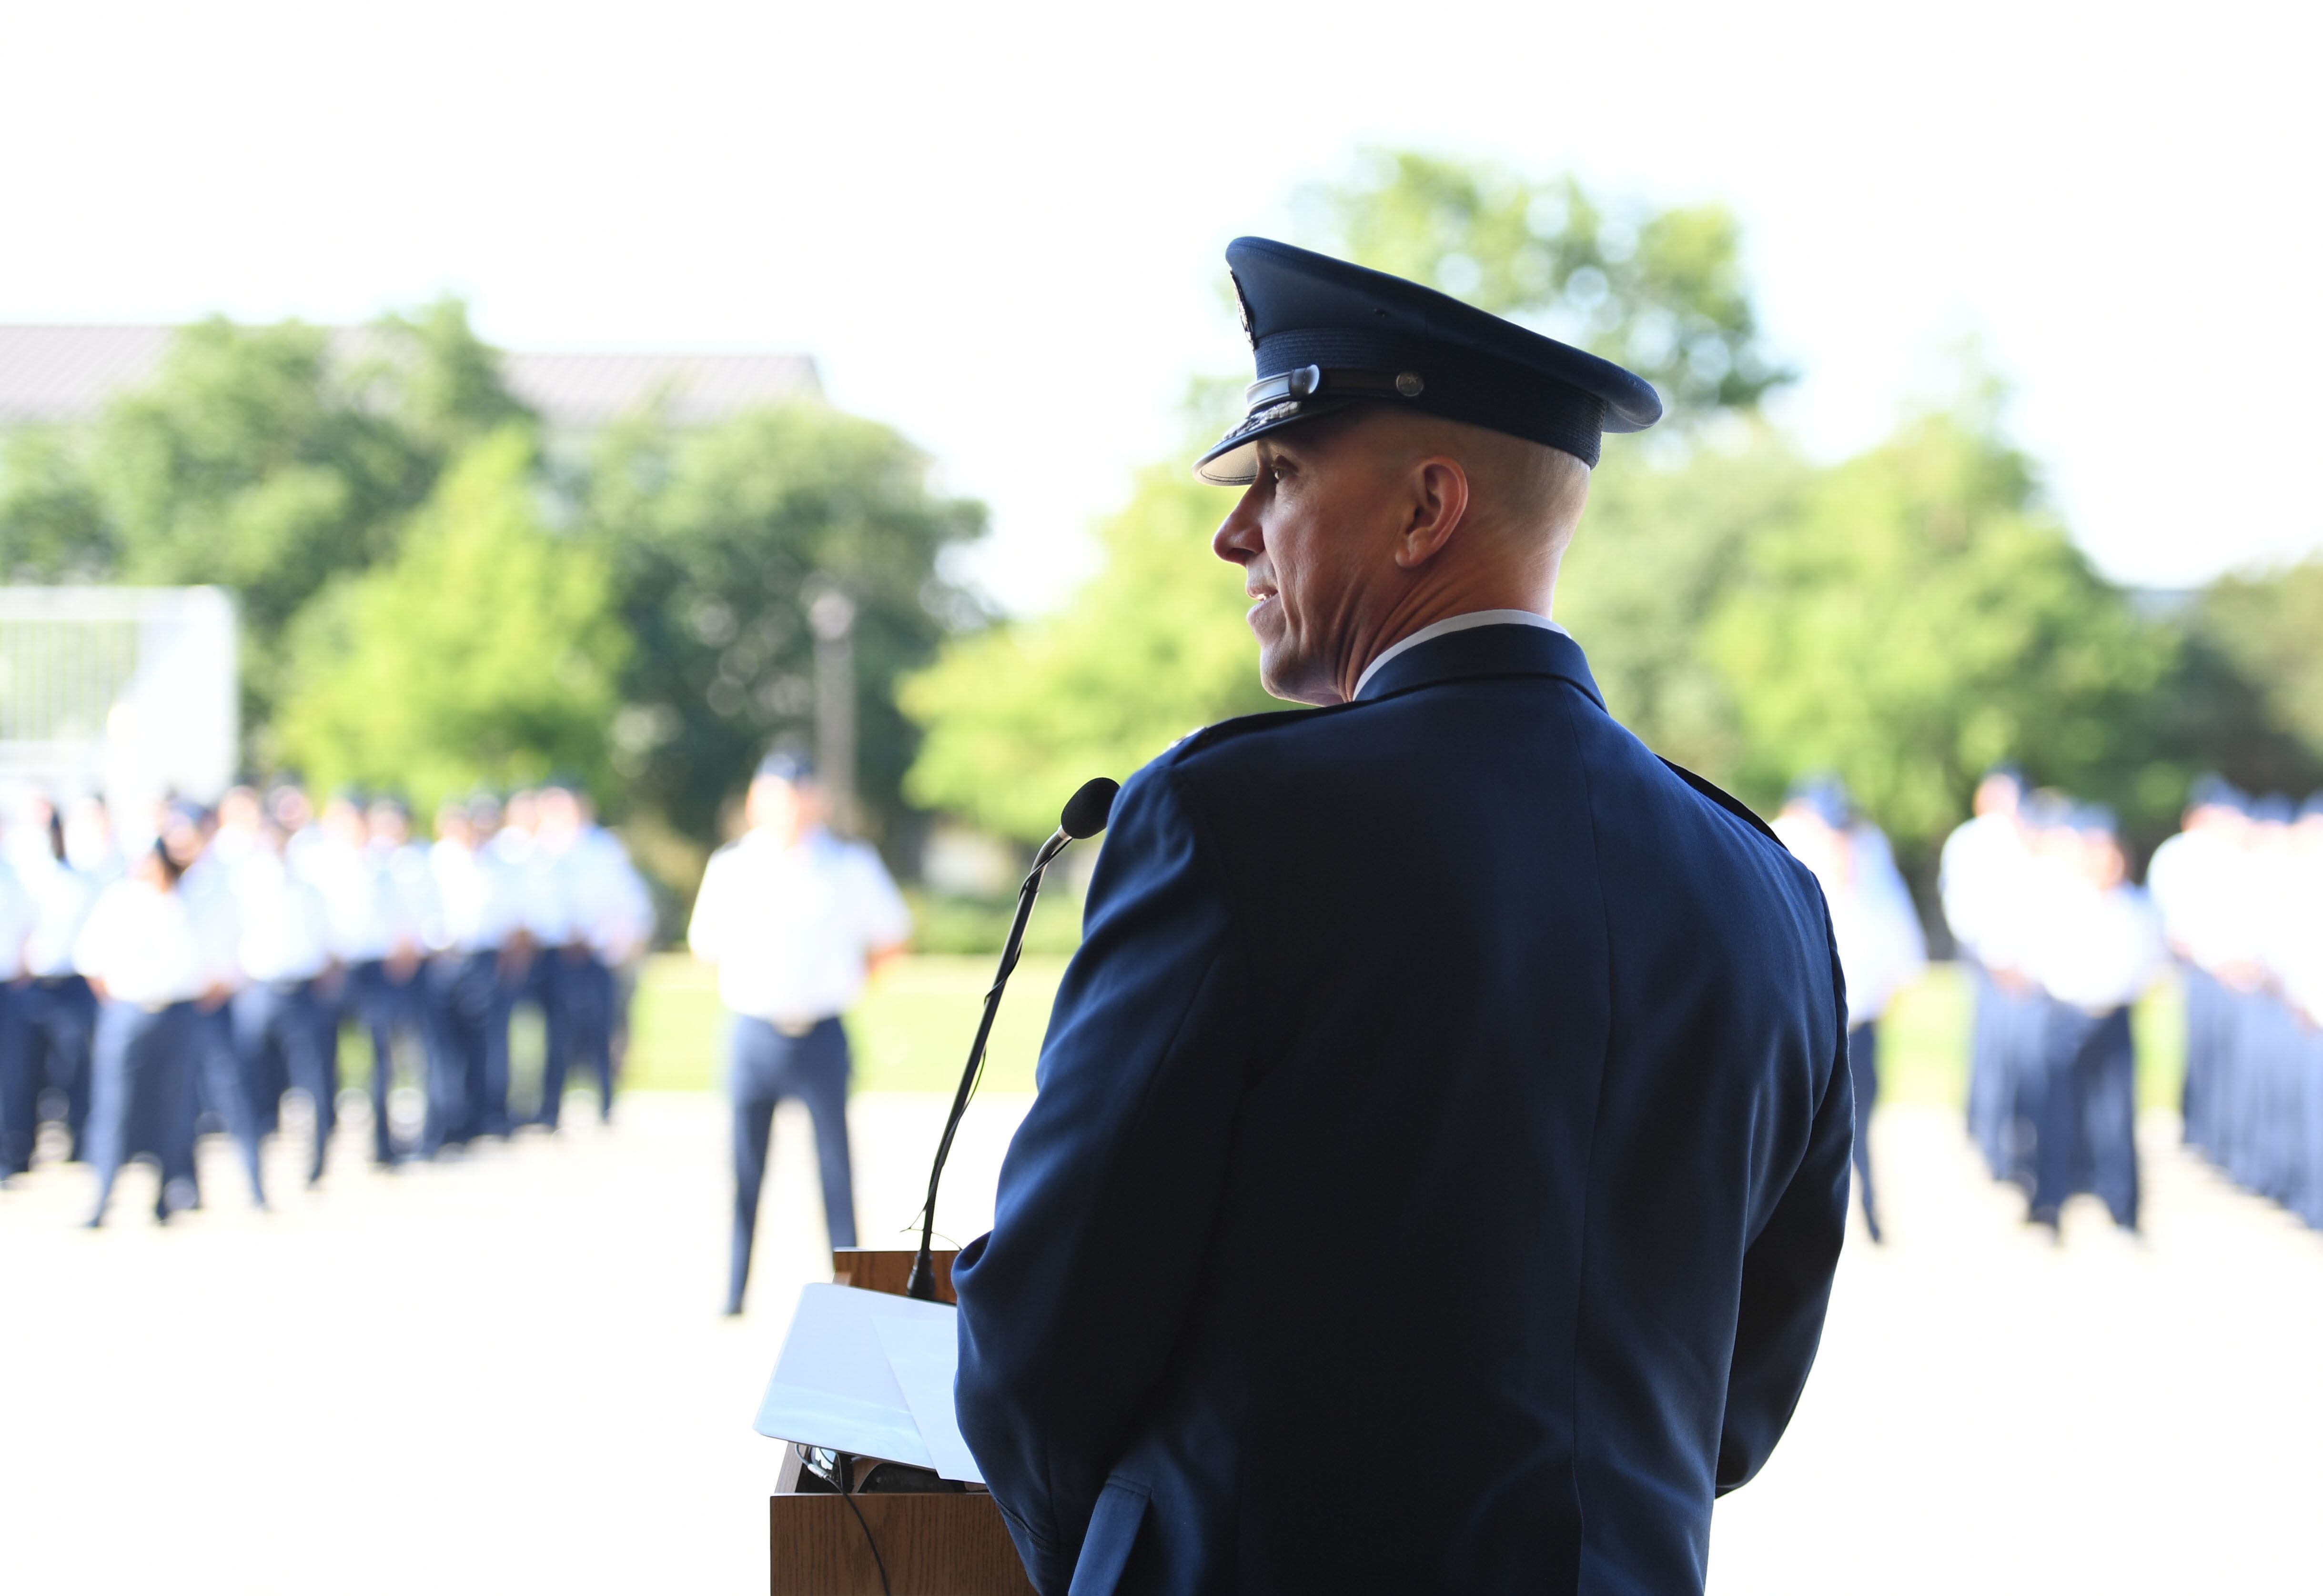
(1231, 465)
(1233, 461)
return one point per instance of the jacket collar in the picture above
(1484, 651)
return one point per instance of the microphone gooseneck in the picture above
(1085, 815)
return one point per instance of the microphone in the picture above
(1085, 815)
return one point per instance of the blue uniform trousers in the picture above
(46, 1027)
(2310, 1047)
(579, 1005)
(2257, 1110)
(59, 1020)
(222, 1088)
(285, 1030)
(20, 1091)
(2249, 1086)
(541, 985)
(467, 1011)
(487, 1090)
(2086, 1115)
(1863, 1075)
(2276, 1116)
(1986, 1111)
(2004, 1076)
(2235, 1070)
(2206, 1021)
(386, 1008)
(765, 1066)
(141, 1097)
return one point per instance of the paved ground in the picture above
(1994, 1413)
(506, 1373)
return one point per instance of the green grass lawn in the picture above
(911, 1032)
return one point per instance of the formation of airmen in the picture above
(2240, 890)
(148, 990)
(2060, 944)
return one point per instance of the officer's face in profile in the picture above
(1362, 526)
(1315, 535)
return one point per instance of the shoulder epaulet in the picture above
(1211, 736)
(1724, 800)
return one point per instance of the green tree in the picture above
(2269, 628)
(440, 383)
(258, 459)
(1659, 547)
(719, 541)
(1660, 291)
(53, 525)
(1153, 646)
(486, 652)
(1917, 619)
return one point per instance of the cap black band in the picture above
(1459, 385)
(1316, 383)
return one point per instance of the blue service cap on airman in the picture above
(1823, 796)
(2213, 791)
(2048, 809)
(783, 764)
(2098, 819)
(1328, 333)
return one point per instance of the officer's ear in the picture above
(1437, 502)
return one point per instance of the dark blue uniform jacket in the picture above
(1439, 1163)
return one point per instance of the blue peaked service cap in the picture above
(1328, 334)
(783, 765)
(1823, 796)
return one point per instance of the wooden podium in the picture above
(936, 1544)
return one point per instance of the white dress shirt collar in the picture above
(1458, 623)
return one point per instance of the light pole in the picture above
(831, 615)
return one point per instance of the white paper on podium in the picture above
(924, 1352)
(869, 1372)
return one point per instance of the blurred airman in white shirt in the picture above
(797, 920)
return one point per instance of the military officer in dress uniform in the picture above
(1441, 1150)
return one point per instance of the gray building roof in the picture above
(67, 373)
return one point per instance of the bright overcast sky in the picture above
(999, 228)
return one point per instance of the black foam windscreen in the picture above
(1087, 811)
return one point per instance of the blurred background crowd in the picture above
(448, 464)
(190, 977)
(435, 568)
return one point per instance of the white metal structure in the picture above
(131, 693)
